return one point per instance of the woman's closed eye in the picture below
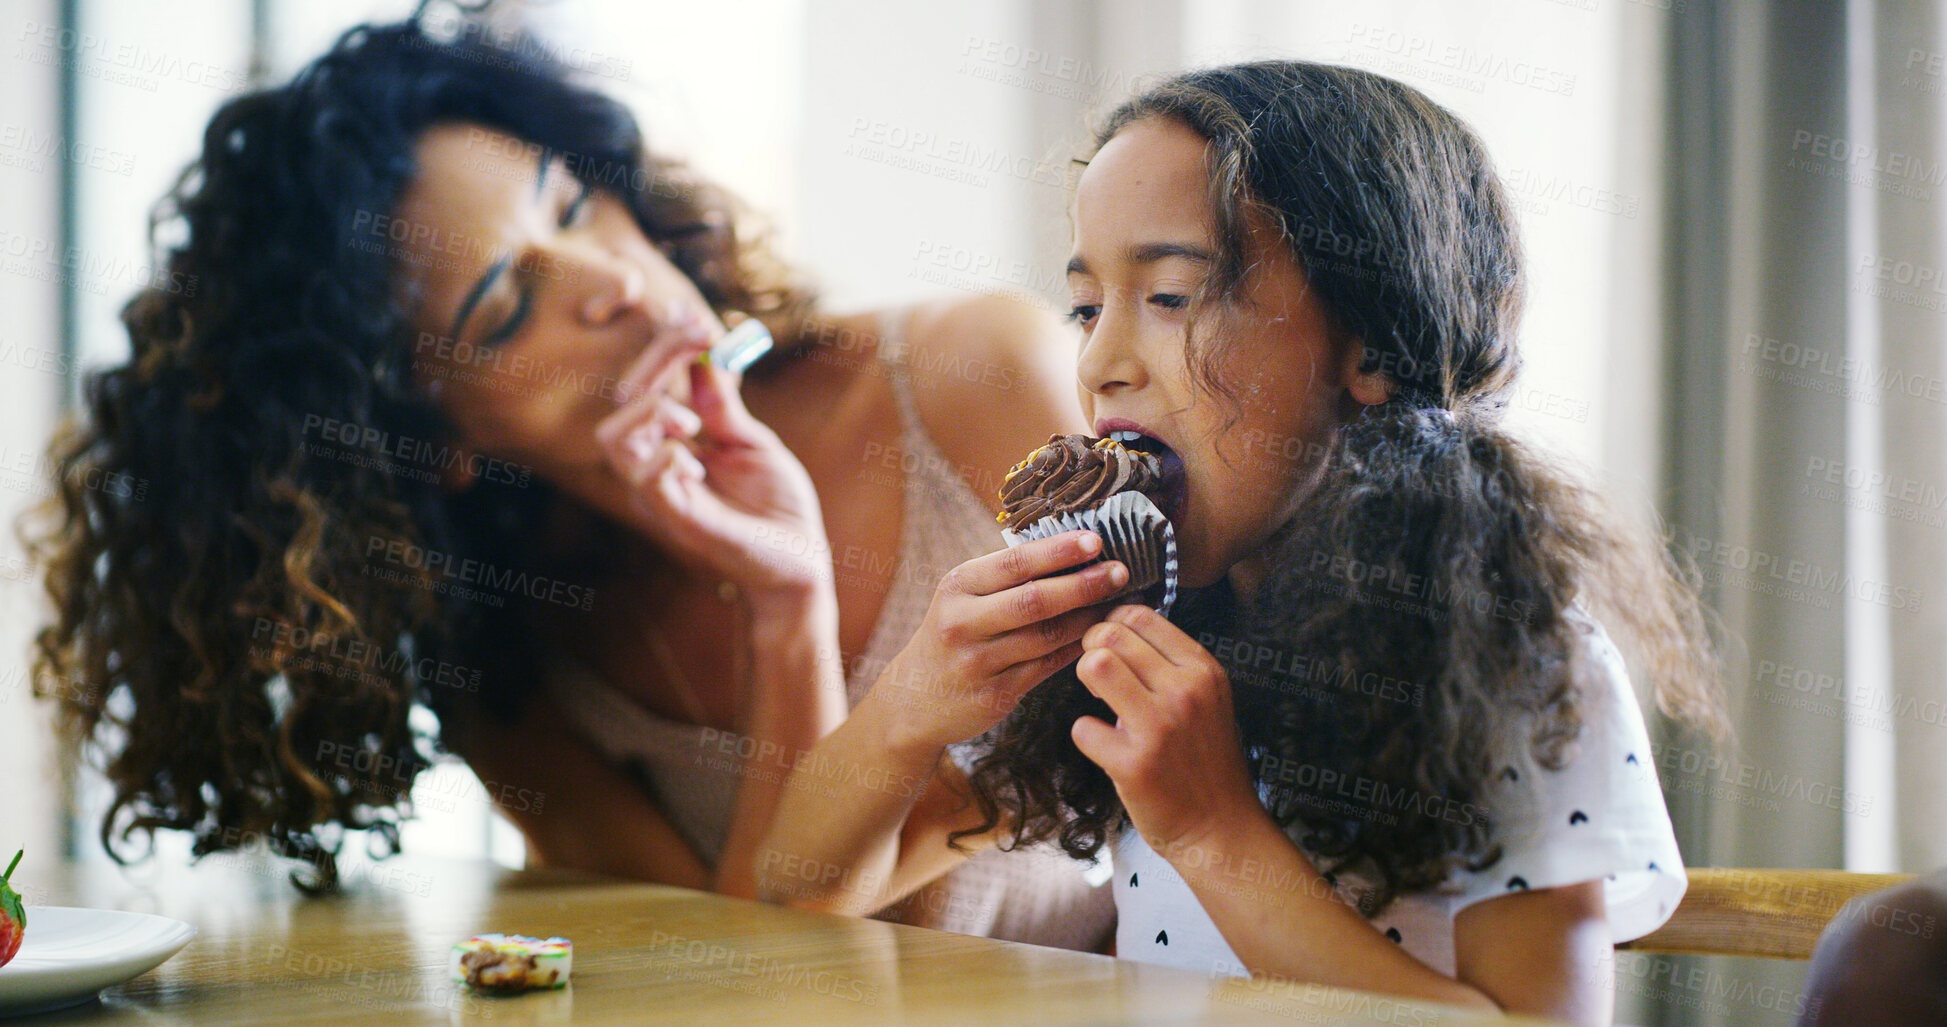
(571, 215)
(512, 326)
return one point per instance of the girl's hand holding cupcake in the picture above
(997, 627)
(1173, 752)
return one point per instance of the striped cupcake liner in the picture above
(1130, 525)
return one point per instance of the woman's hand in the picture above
(1173, 753)
(715, 483)
(996, 628)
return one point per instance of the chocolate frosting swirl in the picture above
(1073, 473)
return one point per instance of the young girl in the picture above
(1385, 743)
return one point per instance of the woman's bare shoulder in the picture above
(998, 362)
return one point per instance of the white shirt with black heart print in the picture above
(1600, 817)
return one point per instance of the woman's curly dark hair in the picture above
(219, 643)
(1423, 628)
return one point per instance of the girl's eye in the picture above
(1170, 300)
(575, 209)
(1083, 313)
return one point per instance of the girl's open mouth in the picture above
(1174, 489)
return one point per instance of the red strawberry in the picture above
(13, 918)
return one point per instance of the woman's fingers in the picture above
(622, 432)
(680, 339)
(715, 419)
(678, 420)
(645, 406)
(653, 459)
(613, 430)
(630, 448)
(720, 409)
(672, 492)
(631, 438)
(684, 468)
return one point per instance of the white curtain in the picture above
(1807, 337)
(1904, 226)
(34, 373)
(1807, 456)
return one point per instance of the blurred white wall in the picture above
(909, 182)
(150, 77)
(145, 79)
(32, 376)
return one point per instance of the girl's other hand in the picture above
(716, 484)
(1173, 753)
(997, 627)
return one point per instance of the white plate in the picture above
(70, 954)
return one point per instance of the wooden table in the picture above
(643, 954)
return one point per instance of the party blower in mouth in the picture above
(740, 347)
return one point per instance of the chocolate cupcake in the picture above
(1098, 484)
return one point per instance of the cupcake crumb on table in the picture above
(512, 962)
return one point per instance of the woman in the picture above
(430, 429)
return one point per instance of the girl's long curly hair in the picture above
(220, 645)
(1422, 629)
